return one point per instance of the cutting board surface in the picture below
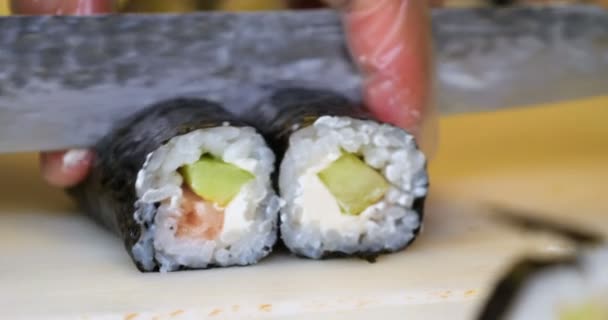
(56, 263)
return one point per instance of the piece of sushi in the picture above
(185, 186)
(568, 288)
(350, 185)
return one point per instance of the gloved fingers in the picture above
(391, 42)
(62, 7)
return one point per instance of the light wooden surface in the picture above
(55, 263)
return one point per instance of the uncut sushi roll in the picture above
(185, 186)
(567, 288)
(350, 184)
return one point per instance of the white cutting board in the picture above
(55, 263)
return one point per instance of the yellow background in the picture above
(4, 10)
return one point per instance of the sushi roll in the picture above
(567, 288)
(350, 184)
(185, 186)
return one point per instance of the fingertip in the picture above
(390, 41)
(66, 168)
(62, 7)
(394, 102)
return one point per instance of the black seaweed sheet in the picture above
(530, 221)
(511, 286)
(289, 109)
(108, 194)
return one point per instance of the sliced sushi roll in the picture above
(569, 288)
(350, 185)
(185, 186)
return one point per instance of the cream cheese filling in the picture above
(237, 215)
(320, 207)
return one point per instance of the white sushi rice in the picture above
(311, 222)
(250, 219)
(562, 288)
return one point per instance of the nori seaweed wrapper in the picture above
(511, 286)
(289, 109)
(109, 195)
(530, 221)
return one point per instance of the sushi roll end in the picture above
(565, 288)
(186, 187)
(351, 185)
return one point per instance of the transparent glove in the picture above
(391, 42)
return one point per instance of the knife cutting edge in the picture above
(66, 80)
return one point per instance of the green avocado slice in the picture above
(215, 180)
(353, 183)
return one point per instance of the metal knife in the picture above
(64, 81)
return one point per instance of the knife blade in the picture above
(65, 81)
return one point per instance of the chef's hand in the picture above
(389, 39)
(59, 168)
(391, 42)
